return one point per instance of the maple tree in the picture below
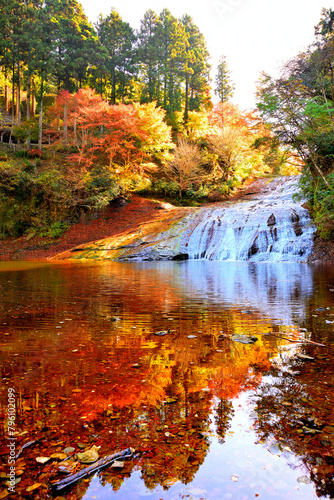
(118, 135)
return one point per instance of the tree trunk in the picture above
(65, 125)
(186, 105)
(13, 94)
(18, 100)
(113, 87)
(28, 96)
(28, 109)
(33, 100)
(6, 93)
(40, 125)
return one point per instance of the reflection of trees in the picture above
(82, 377)
(296, 411)
(223, 417)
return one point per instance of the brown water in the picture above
(209, 417)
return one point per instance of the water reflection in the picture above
(79, 346)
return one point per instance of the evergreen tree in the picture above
(118, 38)
(74, 42)
(195, 69)
(224, 85)
(172, 42)
(148, 57)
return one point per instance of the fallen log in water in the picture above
(103, 462)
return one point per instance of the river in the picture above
(209, 417)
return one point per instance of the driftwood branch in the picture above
(299, 341)
(103, 462)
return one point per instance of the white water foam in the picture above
(271, 227)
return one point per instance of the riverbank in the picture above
(122, 217)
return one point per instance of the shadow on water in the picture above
(208, 416)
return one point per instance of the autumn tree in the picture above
(116, 135)
(186, 165)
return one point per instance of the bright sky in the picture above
(254, 35)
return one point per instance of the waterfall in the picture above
(271, 227)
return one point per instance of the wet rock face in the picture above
(271, 220)
(271, 227)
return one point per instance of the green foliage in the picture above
(56, 230)
(321, 203)
(224, 85)
(44, 203)
(27, 129)
(100, 188)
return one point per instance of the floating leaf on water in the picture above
(304, 480)
(68, 450)
(61, 456)
(170, 481)
(234, 478)
(42, 460)
(34, 487)
(10, 483)
(328, 429)
(170, 400)
(4, 494)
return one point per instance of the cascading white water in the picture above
(269, 226)
(272, 227)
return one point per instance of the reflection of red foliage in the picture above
(230, 380)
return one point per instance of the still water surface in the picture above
(209, 417)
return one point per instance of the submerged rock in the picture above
(244, 339)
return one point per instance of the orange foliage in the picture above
(115, 134)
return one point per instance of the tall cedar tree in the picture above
(118, 38)
(224, 85)
(196, 69)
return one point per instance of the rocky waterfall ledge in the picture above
(265, 226)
